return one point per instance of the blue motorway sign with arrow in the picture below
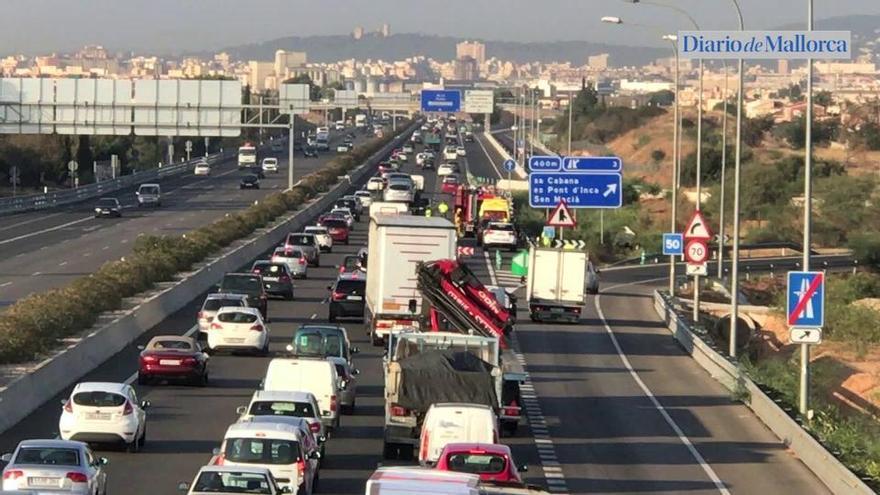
(441, 100)
(592, 164)
(509, 165)
(577, 190)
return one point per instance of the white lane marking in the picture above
(554, 478)
(189, 333)
(19, 224)
(62, 263)
(314, 315)
(125, 241)
(7, 284)
(719, 485)
(86, 255)
(105, 248)
(19, 255)
(36, 274)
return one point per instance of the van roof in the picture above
(412, 221)
(283, 395)
(251, 429)
(460, 405)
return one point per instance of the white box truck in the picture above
(556, 283)
(396, 244)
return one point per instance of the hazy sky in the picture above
(171, 26)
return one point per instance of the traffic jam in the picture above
(451, 383)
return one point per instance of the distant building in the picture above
(839, 68)
(386, 30)
(644, 86)
(782, 67)
(286, 61)
(472, 49)
(258, 72)
(598, 62)
(358, 32)
(466, 69)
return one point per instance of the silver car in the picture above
(365, 198)
(307, 243)
(63, 466)
(325, 242)
(295, 259)
(347, 383)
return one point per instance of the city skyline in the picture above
(174, 27)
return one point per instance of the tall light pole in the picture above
(723, 173)
(737, 175)
(699, 178)
(804, 402)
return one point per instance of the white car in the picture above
(278, 447)
(340, 125)
(420, 159)
(239, 329)
(342, 148)
(344, 213)
(213, 303)
(499, 234)
(282, 403)
(447, 169)
(375, 184)
(408, 149)
(447, 423)
(202, 168)
(239, 480)
(398, 191)
(325, 242)
(450, 153)
(104, 412)
(402, 157)
(365, 197)
(295, 259)
(460, 151)
(53, 465)
(270, 164)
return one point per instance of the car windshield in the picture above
(282, 408)
(232, 482)
(501, 226)
(351, 263)
(47, 456)
(312, 343)
(352, 287)
(98, 398)
(216, 304)
(466, 462)
(107, 203)
(341, 212)
(243, 283)
(291, 253)
(237, 317)
(335, 224)
(250, 178)
(301, 240)
(262, 451)
(170, 344)
(149, 190)
(316, 230)
(269, 269)
(399, 187)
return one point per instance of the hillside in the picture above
(402, 46)
(635, 148)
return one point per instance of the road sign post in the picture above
(805, 309)
(696, 237)
(509, 166)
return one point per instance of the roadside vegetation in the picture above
(37, 324)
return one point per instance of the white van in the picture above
(455, 423)
(388, 208)
(411, 480)
(278, 447)
(314, 375)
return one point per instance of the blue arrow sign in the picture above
(509, 165)
(596, 190)
(592, 164)
(806, 299)
(549, 232)
(545, 163)
(442, 100)
(673, 244)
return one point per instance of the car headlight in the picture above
(97, 210)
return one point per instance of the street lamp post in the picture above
(723, 173)
(737, 176)
(804, 402)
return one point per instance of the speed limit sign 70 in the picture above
(696, 251)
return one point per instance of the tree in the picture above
(658, 155)
(753, 130)
(314, 90)
(823, 99)
(867, 136)
(794, 133)
(586, 101)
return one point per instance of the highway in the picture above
(50, 248)
(618, 407)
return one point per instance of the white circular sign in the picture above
(697, 251)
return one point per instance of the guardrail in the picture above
(69, 196)
(519, 171)
(814, 455)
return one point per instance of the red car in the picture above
(172, 357)
(492, 462)
(450, 184)
(337, 228)
(385, 167)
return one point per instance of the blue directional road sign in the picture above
(673, 244)
(545, 163)
(509, 165)
(441, 100)
(806, 299)
(592, 164)
(577, 190)
(549, 232)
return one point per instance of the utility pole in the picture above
(290, 138)
(804, 402)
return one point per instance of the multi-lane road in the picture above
(614, 405)
(50, 248)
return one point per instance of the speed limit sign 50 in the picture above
(696, 251)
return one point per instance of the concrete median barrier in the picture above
(29, 386)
